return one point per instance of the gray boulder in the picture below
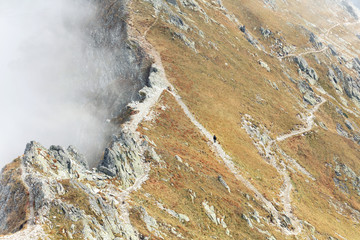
(123, 159)
(340, 130)
(315, 41)
(304, 67)
(352, 87)
(311, 98)
(304, 87)
(333, 50)
(222, 181)
(265, 32)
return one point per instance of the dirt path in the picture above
(309, 122)
(323, 36)
(234, 170)
(31, 232)
(271, 151)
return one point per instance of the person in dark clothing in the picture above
(214, 139)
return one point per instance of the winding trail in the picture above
(309, 123)
(285, 193)
(323, 36)
(231, 166)
(123, 198)
(270, 151)
(303, 53)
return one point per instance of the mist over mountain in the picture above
(356, 3)
(188, 119)
(58, 69)
(43, 73)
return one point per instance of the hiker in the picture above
(214, 139)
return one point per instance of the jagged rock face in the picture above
(121, 69)
(130, 65)
(63, 194)
(255, 181)
(304, 66)
(124, 159)
(352, 87)
(315, 41)
(14, 199)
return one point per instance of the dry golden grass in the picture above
(171, 185)
(219, 87)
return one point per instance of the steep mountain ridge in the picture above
(277, 86)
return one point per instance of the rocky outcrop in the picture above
(265, 32)
(55, 187)
(14, 199)
(356, 64)
(123, 159)
(151, 223)
(333, 50)
(315, 41)
(130, 63)
(264, 65)
(311, 98)
(341, 131)
(304, 67)
(352, 88)
(345, 176)
(210, 212)
(309, 95)
(222, 181)
(335, 81)
(181, 217)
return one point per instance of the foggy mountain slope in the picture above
(277, 82)
(66, 69)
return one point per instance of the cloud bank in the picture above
(48, 70)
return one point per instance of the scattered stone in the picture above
(242, 28)
(172, 2)
(265, 32)
(210, 212)
(333, 50)
(304, 87)
(178, 159)
(304, 67)
(251, 39)
(192, 195)
(310, 227)
(340, 130)
(311, 98)
(247, 220)
(222, 181)
(264, 65)
(154, 155)
(315, 41)
(321, 124)
(189, 43)
(255, 215)
(150, 222)
(270, 238)
(178, 22)
(181, 217)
